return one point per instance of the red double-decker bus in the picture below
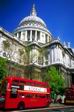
(22, 93)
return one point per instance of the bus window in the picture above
(22, 82)
(21, 95)
(21, 85)
(14, 88)
(13, 93)
(15, 82)
(28, 83)
(29, 95)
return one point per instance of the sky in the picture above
(57, 14)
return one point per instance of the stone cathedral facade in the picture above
(32, 46)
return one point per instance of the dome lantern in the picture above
(33, 12)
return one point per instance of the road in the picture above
(50, 109)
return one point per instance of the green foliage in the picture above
(3, 69)
(55, 79)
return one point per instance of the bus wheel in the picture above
(21, 106)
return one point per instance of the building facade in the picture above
(32, 46)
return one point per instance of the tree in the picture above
(3, 68)
(55, 79)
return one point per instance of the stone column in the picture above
(17, 35)
(26, 36)
(48, 38)
(22, 36)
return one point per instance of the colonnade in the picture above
(33, 35)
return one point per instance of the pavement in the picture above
(60, 106)
(56, 104)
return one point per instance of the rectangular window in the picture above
(14, 89)
(21, 85)
(13, 93)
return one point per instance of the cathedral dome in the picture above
(33, 19)
(33, 29)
